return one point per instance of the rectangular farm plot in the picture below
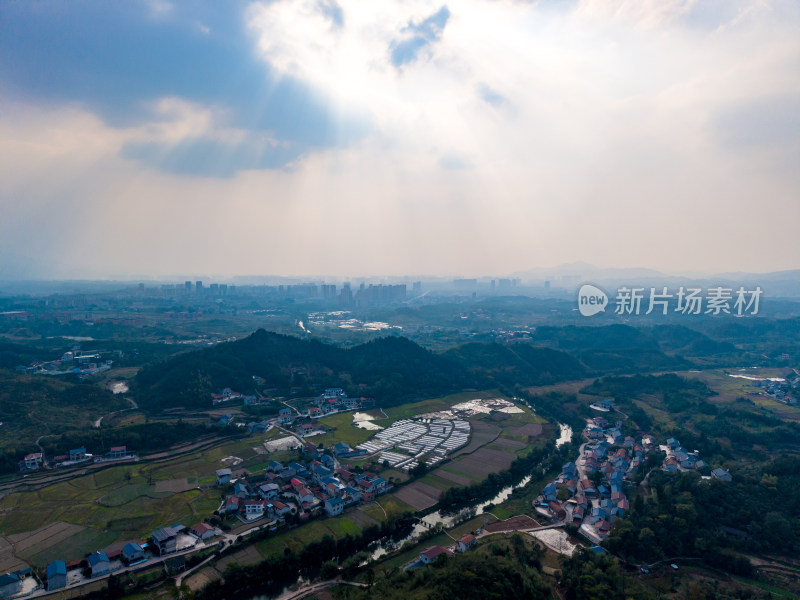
(528, 430)
(48, 535)
(482, 434)
(483, 462)
(507, 445)
(175, 486)
(454, 477)
(9, 562)
(419, 495)
(518, 523)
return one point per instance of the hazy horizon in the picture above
(148, 139)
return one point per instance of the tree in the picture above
(329, 569)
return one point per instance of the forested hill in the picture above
(515, 364)
(391, 369)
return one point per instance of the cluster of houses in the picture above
(431, 553)
(61, 574)
(228, 395)
(74, 361)
(574, 497)
(76, 456)
(331, 401)
(779, 389)
(594, 507)
(304, 490)
(18, 583)
(679, 459)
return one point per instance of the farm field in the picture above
(730, 388)
(418, 494)
(67, 520)
(482, 462)
(9, 562)
(343, 430)
(151, 495)
(296, 539)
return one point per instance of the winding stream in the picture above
(448, 521)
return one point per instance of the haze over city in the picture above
(146, 139)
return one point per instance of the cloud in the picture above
(454, 162)
(288, 121)
(118, 63)
(490, 96)
(760, 123)
(417, 37)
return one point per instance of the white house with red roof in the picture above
(465, 542)
(34, 460)
(203, 531)
(431, 553)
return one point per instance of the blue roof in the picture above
(98, 557)
(130, 548)
(57, 567)
(335, 501)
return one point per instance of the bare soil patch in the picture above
(481, 434)
(483, 462)
(518, 523)
(419, 495)
(529, 429)
(202, 578)
(174, 485)
(510, 444)
(361, 518)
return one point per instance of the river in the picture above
(449, 520)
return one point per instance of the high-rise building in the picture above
(346, 295)
(381, 294)
(465, 284)
(198, 286)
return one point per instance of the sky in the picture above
(345, 138)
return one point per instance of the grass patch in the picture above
(438, 482)
(519, 502)
(296, 539)
(450, 469)
(343, 430)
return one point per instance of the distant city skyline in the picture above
(308, 138)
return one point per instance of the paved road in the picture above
(310, 588)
